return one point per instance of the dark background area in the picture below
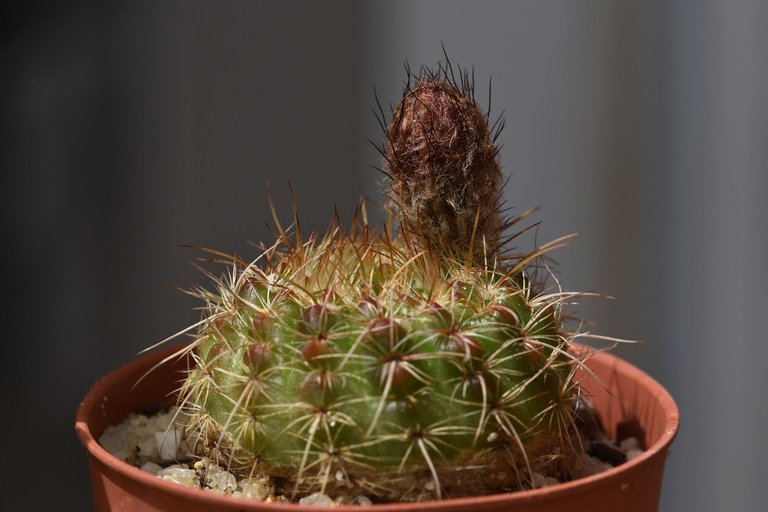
(130, 128)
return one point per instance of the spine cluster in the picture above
(362, 357)
(441, 156)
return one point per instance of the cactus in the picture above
(412, 363)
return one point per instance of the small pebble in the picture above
(113, 440)
(255, 488)
(630, 443)
(363, 501)
(168, 443)
(220, 480)
(152, 468)
(538, 481)
(180, 475)
(318, 500)
(631, 447)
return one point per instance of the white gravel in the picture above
(156, 444)
(631, 447)
(140, 439)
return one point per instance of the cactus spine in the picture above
(408, 365)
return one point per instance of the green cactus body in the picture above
(432, 370)
(408, 365)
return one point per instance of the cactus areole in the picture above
(417, 361)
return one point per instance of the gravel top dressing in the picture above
(157, 444)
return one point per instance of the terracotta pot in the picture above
(629, 401)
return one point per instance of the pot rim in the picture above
(93, 397)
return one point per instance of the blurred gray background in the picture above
(129, 128)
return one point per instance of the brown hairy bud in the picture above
(445, 177)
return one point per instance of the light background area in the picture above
(129, 128)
